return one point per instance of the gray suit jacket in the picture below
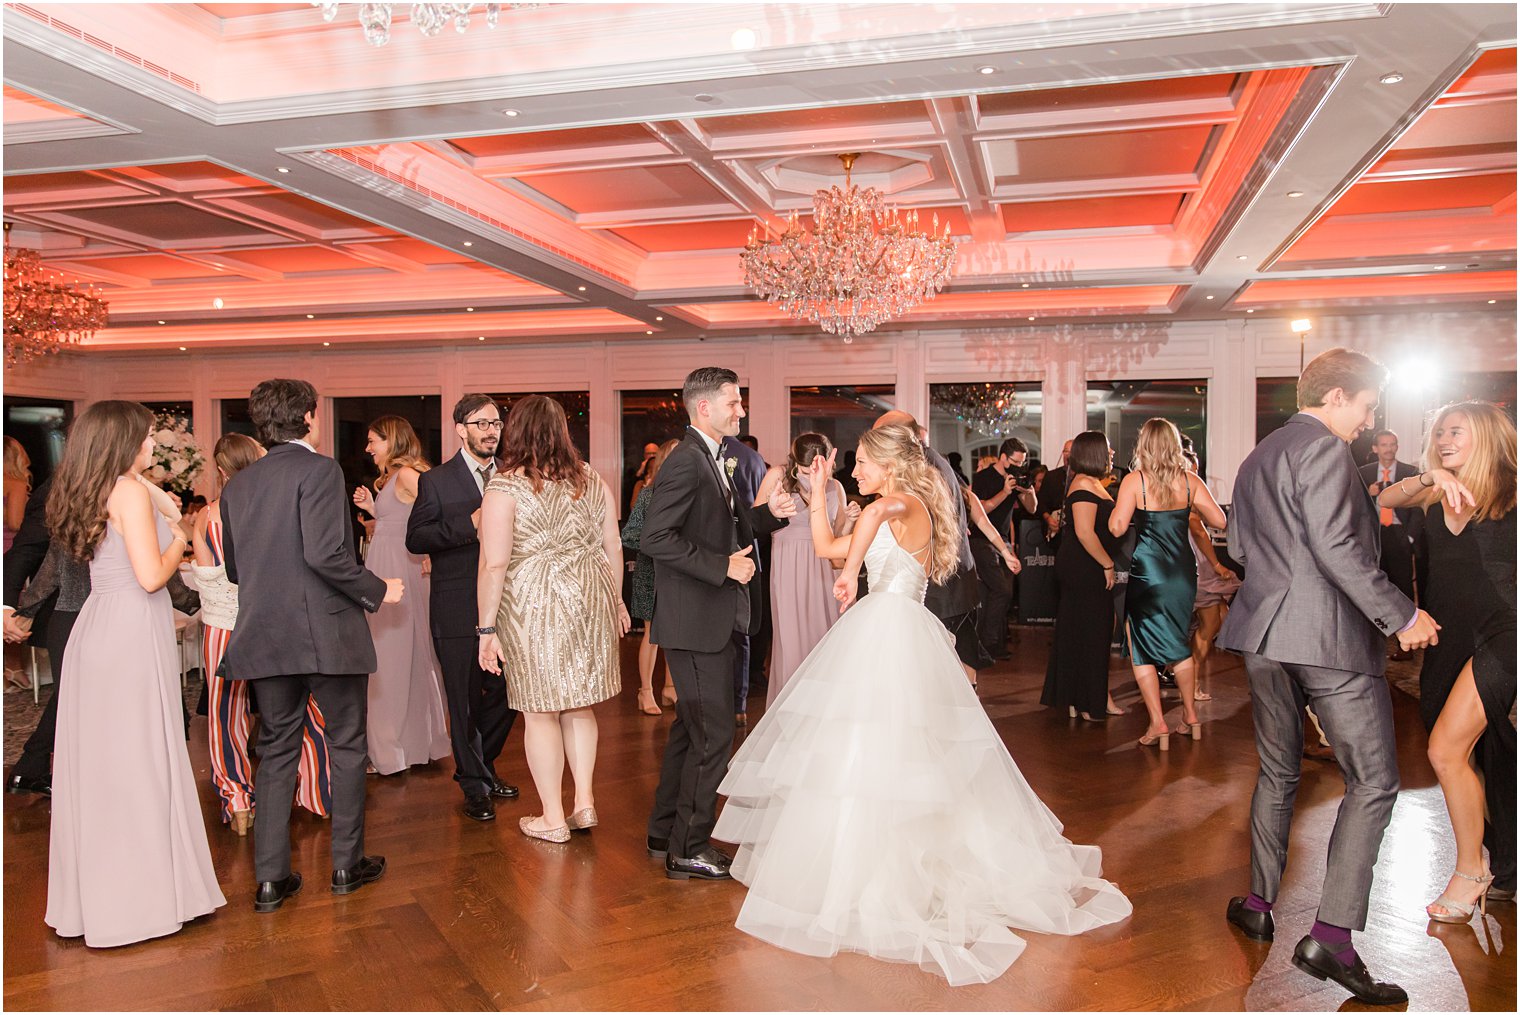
(1306, 531)
(301, 592)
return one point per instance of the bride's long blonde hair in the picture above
(896, 449)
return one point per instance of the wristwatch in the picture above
(485, 630)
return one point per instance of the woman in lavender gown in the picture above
(802, 583)
(127, 857)
(406, 713)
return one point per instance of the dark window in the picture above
(577, 406)
(1120, 408)
(652, 416)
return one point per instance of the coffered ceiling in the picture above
(247, 174)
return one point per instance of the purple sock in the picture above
(1337, 939)
(1256, 904)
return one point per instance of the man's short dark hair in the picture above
(1384, 433)
(1012, 446)
(751, 440)
(705, 382)
(469, 404)
(278, 408)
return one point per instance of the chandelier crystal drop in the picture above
(430, 19)
(989, 409)
(862, 264)
(43, 313)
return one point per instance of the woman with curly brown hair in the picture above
(406, 713)
(128, 858)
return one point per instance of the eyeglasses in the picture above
(485, 425)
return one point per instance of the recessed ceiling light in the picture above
(469, 243)
(580, 288)
(744, 38)
(1493, 301)
(469, 310)
(1209, 297)
(1439, 267)
(511, 112)
(160, 322)
(183, 349)
(705, 97)
(281, 169)
(1024, 285)
(1391, 78)
(1251, 311)
(217, 303)
(325, 344)
(311, 317)
(482, 338)
(1295, 193)
(649, 333)
(1240, 257)
(1031, 318)
(986, 69)
(661, 318)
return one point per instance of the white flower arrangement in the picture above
(177, 461)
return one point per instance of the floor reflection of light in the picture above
(1418, 849)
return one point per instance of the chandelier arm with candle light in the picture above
(862, 264)
(430, 19)
(43, 313)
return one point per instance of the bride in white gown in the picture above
(875, 807)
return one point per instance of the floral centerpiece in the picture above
(177, 461)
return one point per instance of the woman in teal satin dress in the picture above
(1159, 496)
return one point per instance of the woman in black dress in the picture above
(1467, 682)
(1077, 676)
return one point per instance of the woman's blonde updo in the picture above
(895, 447)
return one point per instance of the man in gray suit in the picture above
(301, 632)
(1310, 620)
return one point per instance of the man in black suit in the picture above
(1052, 496)
(32, 772)
(301, 632)
(445, 524)
(1396, 526)
(701, 535)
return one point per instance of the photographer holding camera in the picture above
(999, 487)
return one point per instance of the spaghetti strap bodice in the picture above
(890, 568)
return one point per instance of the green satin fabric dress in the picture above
(1163, 582)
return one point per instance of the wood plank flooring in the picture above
(478, 917)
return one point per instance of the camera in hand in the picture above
(1021, 474)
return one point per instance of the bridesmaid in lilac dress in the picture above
(406, 713)
(802, 583)
(127, 858)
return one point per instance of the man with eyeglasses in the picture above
(445, 524)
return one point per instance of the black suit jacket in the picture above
(301, 591)
(1408, 517)
(30, 545)
(690, 532)
(440, 527)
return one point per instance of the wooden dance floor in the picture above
(472, 916)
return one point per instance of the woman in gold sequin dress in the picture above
(550, 609)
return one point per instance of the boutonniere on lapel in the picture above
(730, 466)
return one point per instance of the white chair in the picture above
(187, 635)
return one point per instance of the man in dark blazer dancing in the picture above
(1310, 621)
(445, 524)
(701, 535)
(301, 632)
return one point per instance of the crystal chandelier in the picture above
(989, 409)
(430, 19)
(863, 263)
(42, 312)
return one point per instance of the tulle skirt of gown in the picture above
(877, 810)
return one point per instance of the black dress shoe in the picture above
(40, 784)
(1257, 926)
(1320, 962)
(708, 865)
(657, 847)
(271, 895)
(501, 789)
(351, 879)
(480, 808)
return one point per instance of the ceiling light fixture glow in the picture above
(281, 169)
(1295, 193)
(861, 265)
(986, 69)
(1391, 78)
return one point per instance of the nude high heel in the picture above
(647, 704)
(1163, 738)
(1461, 912)
(241, 822)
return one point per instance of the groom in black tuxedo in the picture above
(445, 524)
(302, 633)
(701, 535)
